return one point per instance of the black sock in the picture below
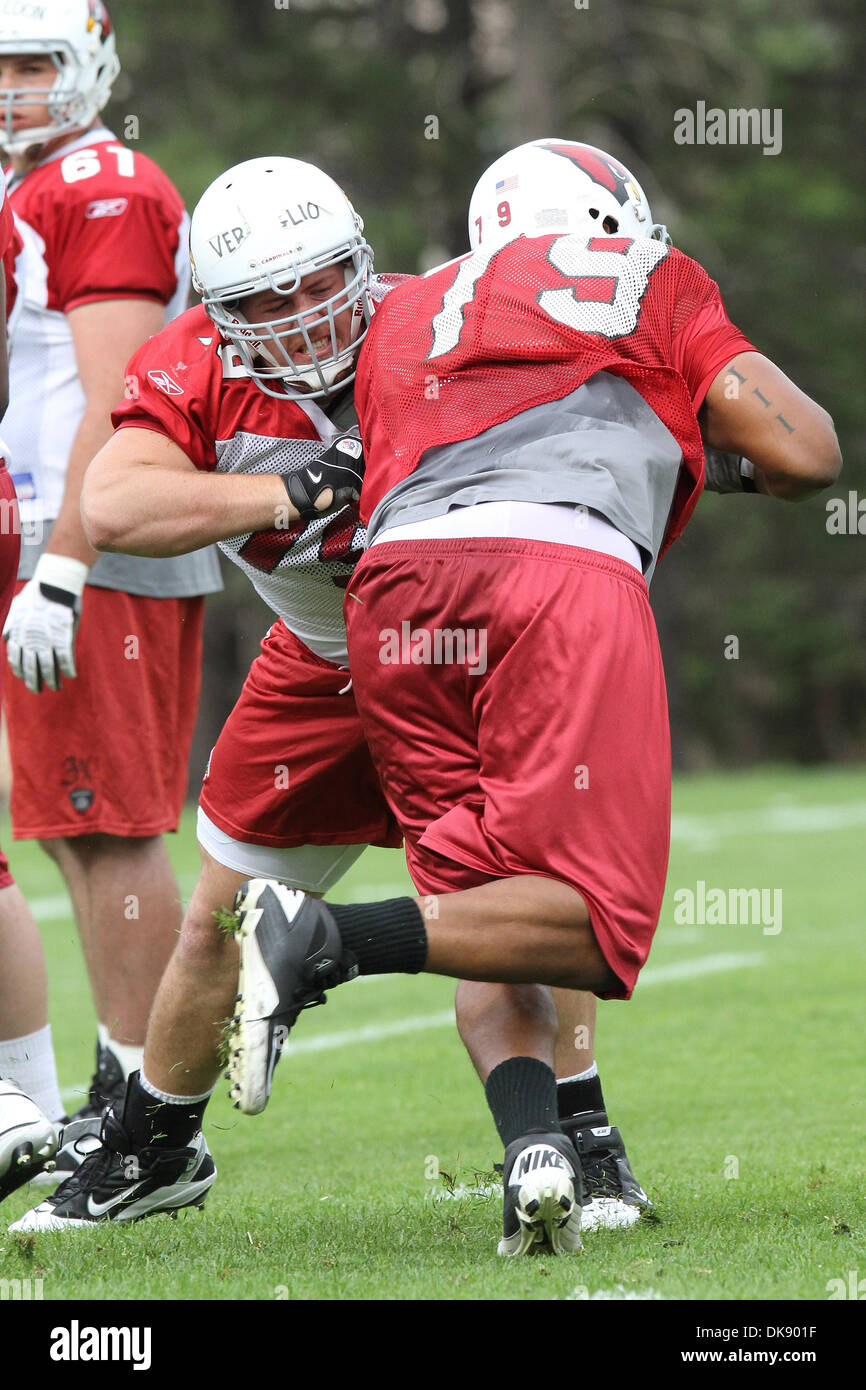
(150, 1122)
(575, 1098)
(521, 1093)
(386, 938)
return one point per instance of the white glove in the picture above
(40, 629)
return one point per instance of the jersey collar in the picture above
(78, 142)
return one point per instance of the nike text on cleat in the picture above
(542, 1198)
(120, 1183)
(28, 1139)
(290, 953)
(612, 1196)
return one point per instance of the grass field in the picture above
(735, 1075)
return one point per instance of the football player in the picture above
(530, 415)
(240, 415)
(104, 653)
(29, 1096)
(239, 426)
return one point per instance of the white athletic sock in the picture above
(29, 1062)
(580, 1076)
(129, 1056)
(167, 1098)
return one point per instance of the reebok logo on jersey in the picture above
(165, 383)
(106, 207)
(539, 1156)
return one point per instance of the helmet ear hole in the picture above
(610, 224)
(593, 212)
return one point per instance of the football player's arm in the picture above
(41, 626)
(105, 335)
(753, 410)
(143, 496)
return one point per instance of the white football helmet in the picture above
(558, 186)
(266, 224)
(78, 37)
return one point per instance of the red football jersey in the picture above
(10, 245)
(189, 385)
(110, 223)
(99, 221)
(477, 341)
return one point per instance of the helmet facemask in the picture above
(78, 93)
(262, 345)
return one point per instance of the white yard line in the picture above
(705, 831)
(702, 965)
(399, 1027)
(377, 1032)
(696, 831)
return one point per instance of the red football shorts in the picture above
(290, 766)
(10, 548)
(108, 752)
(527, 732)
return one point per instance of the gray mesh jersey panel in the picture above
(303, 586)
(600, 447)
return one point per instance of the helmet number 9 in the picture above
(503, 212)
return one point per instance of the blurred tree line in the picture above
(406, 101)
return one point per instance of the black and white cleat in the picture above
(28, 1139)
(542, 1199)
(290, 953)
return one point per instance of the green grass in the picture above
(755, 1069)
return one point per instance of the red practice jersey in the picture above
(10, 249)
(99, 221)
(478, 341)
(188, 384)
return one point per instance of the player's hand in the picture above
(331, 480)
(40, 629)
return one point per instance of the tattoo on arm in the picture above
(732, 371)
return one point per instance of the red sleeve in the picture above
(10, 247)
(707, 340)
(170, 398)
(111, 236)
(7, 227)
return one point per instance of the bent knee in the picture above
(203, 941)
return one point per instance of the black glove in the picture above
(340, 468)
